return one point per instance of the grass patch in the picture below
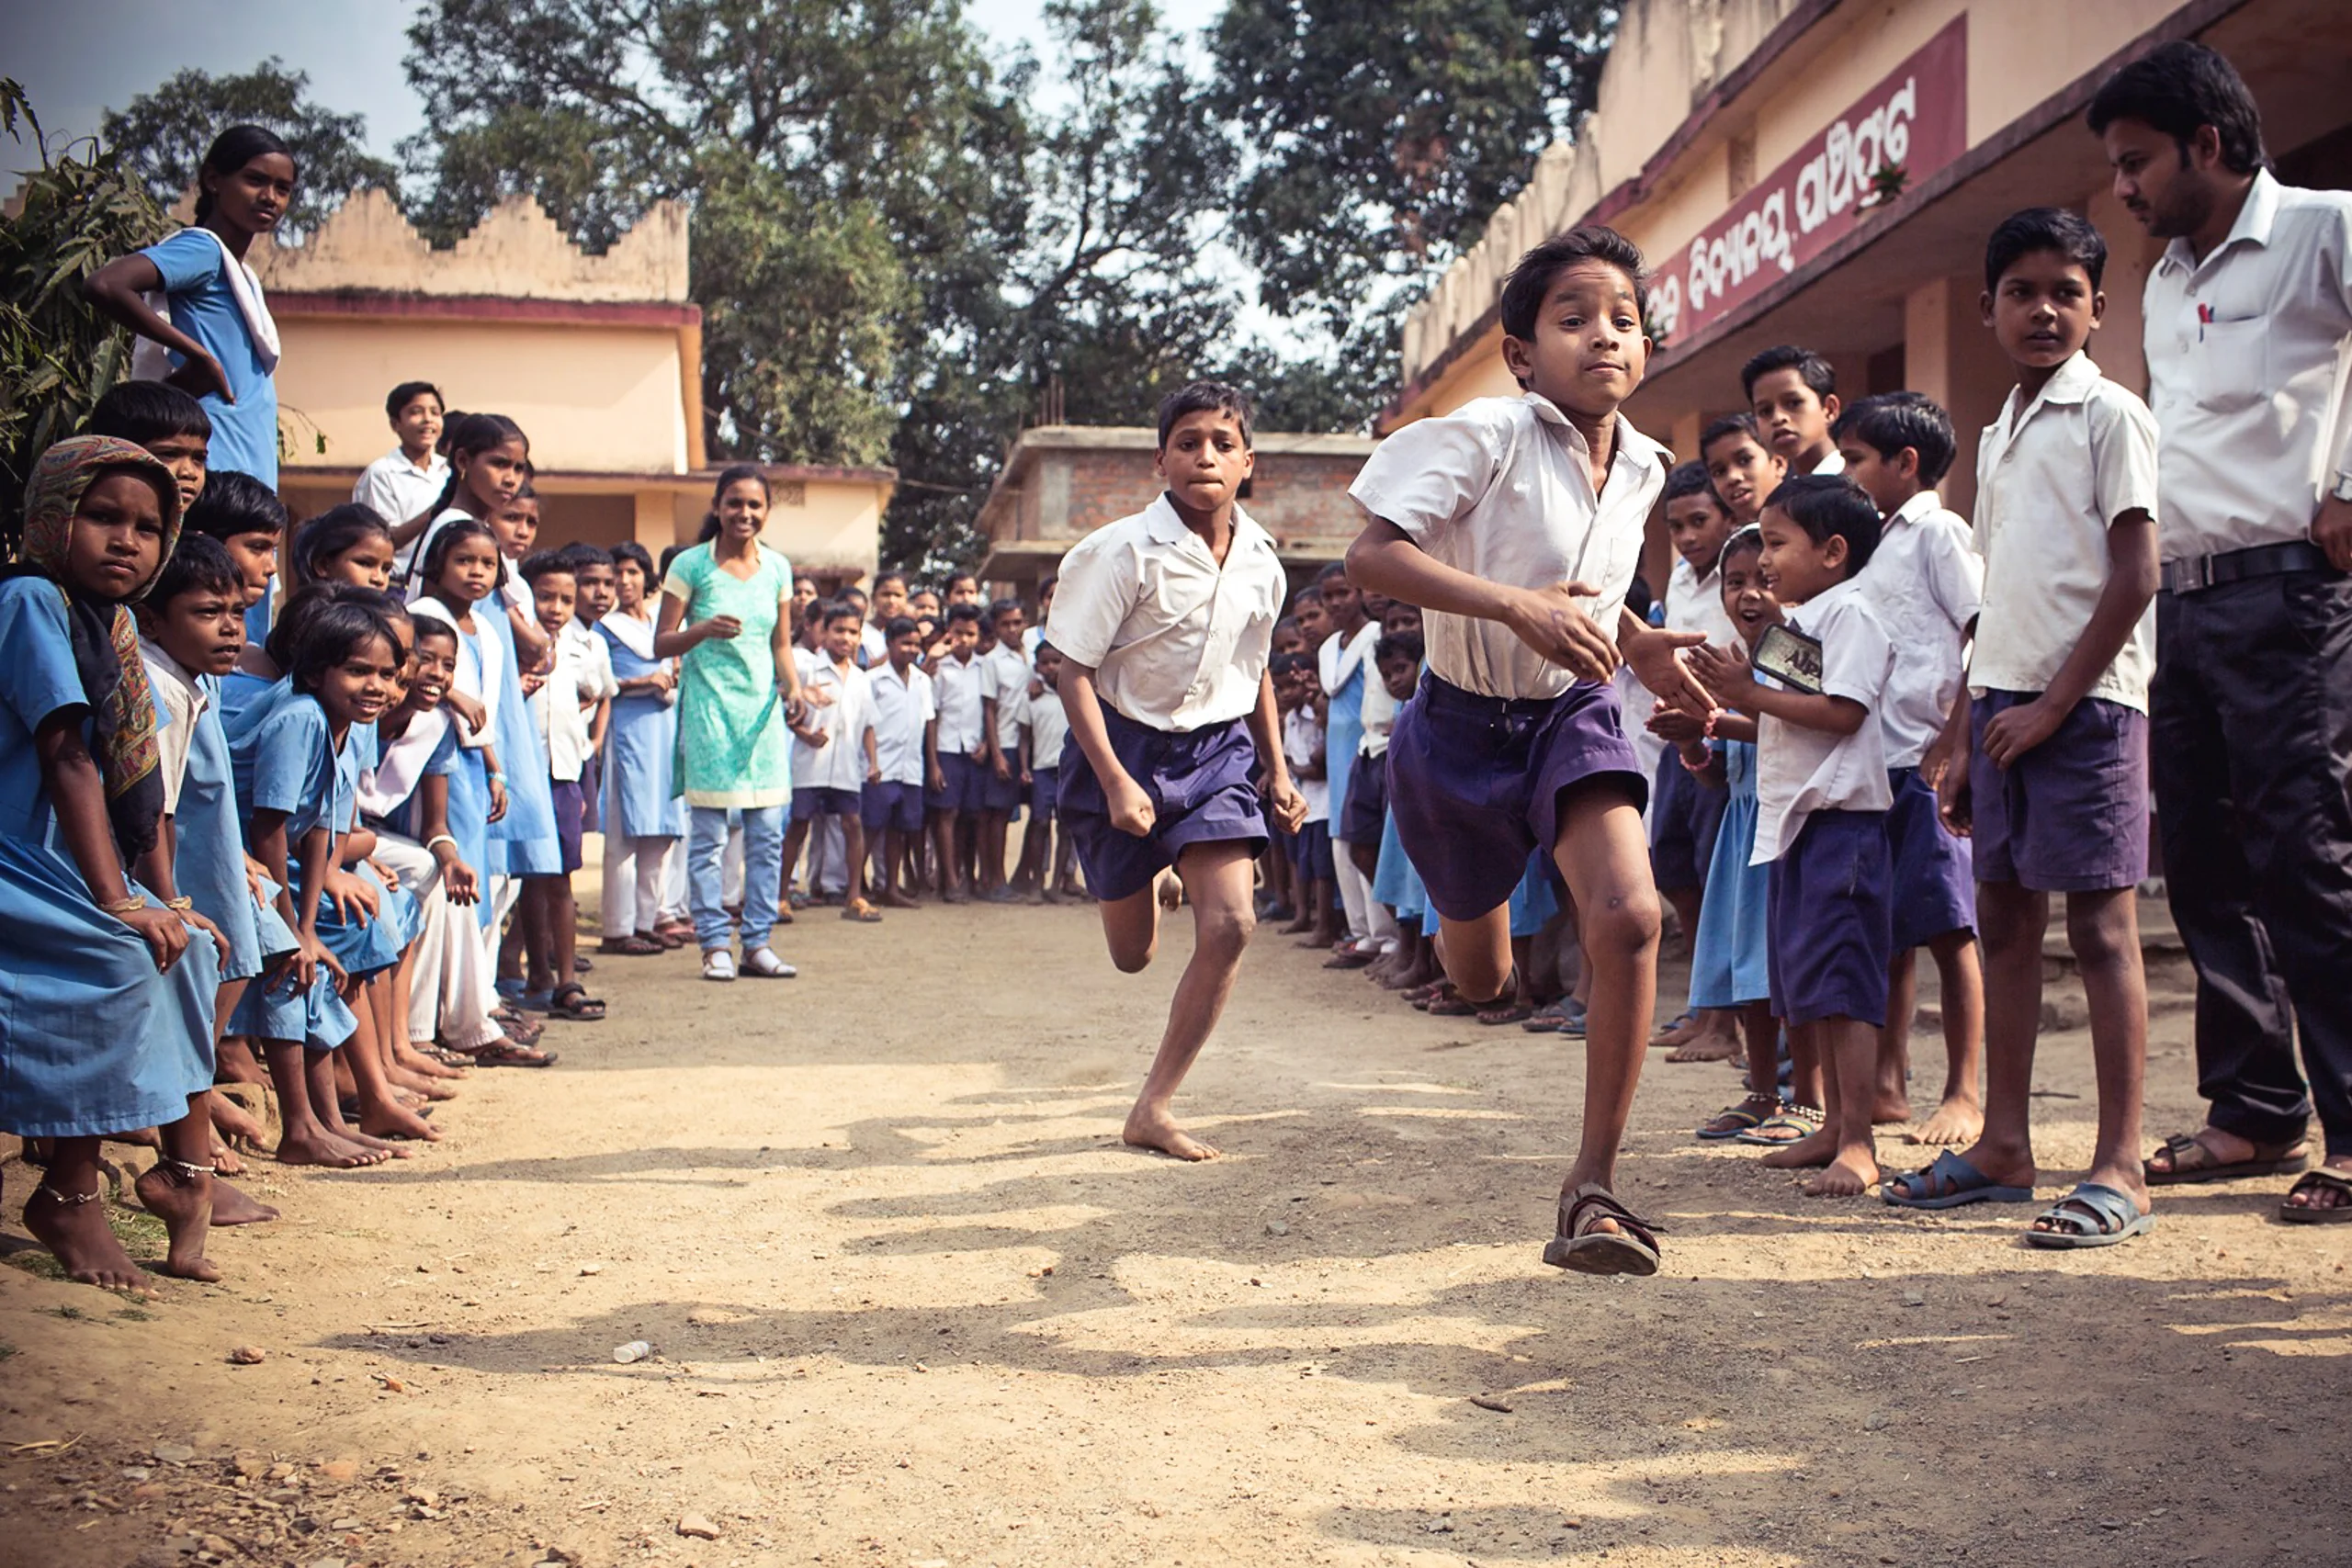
(38, 1262)
(141, 1233)
(69, 1313)
(7, 1350)
(134, 1314)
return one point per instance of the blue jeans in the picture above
(763, 873)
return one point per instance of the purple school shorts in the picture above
(999, 795)
(1685, 816)
(1367, 805)
(1044, 792)
(891, 807)
(1311, 853)
(1200, 789)
(962, 774)
(2072, 815)
(821, 800)
(1832, 934)
(1935, 881)
(570, 808)
(1474, 782)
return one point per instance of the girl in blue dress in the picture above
(105, 1003)
(644, 818)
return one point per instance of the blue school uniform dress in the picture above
(1395, 882)
(640, 794)
(363, 946)
(280, 761)
(523, 843)
(209, 846)
(1731, 958)
(93, 1039)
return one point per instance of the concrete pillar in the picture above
(656, 523)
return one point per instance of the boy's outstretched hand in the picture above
(1655, 652)
(1288, 806)
(1724, 672)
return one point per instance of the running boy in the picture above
(1165, 620)
(2050, 760)
(1793, 393)
(1925, 580)
(1516, 524)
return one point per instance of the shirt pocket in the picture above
(2230, 365)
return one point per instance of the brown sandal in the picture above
(2190, 1162)
(1632, 1248)
(861, 912)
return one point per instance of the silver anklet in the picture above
(68, 1200)
(187, 1169)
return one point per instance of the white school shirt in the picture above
(1302, 733)
(180, 700)
(839, 763)
(1502, 489)
(873, 645)
(397, 490)
(1801, 771)
(2248, 357)
(955, 689)
(1833, 464)
(1007, 682)
(1927, 583)
(902, 705)
(1379, 714)
(576, 676)
(592, 664)
(1049, 727)
(1176, 641)
(1695, 603)
(483, 677)
(2052, 476)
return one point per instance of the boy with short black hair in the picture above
(1298, 697)
(1165, 620)
(250, 522)
(953, 745)
(1044, 725)
(549, 919)
(2049, 763)
(1793, 393)
(165, 420)
(891, 808)
(836, 758)
(1821, 800)
(1005, 700)
(405, 486)
(1927, 583)
(596, 588)
(1741, 468)
(1517, 525)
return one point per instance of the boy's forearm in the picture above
(1084, 710)
(1833, 716)
(1384, 559)
(1735, 726)
(1265, 730)
(2131, 581)
(317, 850)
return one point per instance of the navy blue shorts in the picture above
(807, 804)
(962, 792)
(1044, 792)
(1832, 934)
(1685, 816)
(2072, 815)
(1366, 812)
(1311, 853)
(1474, 782)
(1935, 879)
(571, 808)
(1200, 790)
(999, 795)
(890, 807)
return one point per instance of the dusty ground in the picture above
(912, 1304)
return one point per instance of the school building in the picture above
(1061, 481)
(597, 357)
(1825, 171)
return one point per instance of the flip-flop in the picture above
(2113, 1218)
(864, 913)
(2269, 1159)
(1545, 1020)
(1802, 1120)
(2338, 1213)
(1512, 1012)
(571, 1001)
(1948, 1183)
(1632, 1248)
(1741, 1115)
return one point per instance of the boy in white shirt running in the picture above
(1165, 621)
(1516, 524)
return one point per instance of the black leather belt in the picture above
(2198, 572)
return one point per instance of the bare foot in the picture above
(1708, 1047)
(234, 1206)
(1850, 1174)
(891, 898)
(1891, 1111)
(226, 1161)
(419, 1085)
(1298, 927)
(85, 1245)
(1158, 1130)
(379, 1121)
(1814, 1149)
(183, 1201)
(231, 1120)
(1321, 938)
(409, 1059)
(323, 1148)
(1955, 1123)
(1681, 1033)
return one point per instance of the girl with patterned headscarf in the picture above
(106, 995)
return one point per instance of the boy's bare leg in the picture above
(66, 1213)
(1217, 880)
(2012, 920)
(2103, 928)
(1891, 1096)
(381, 1116)
(1811, 1082)
(854, 854)
(1849, 1048)
(1960, 974)
(302, 1138)
(795, 837)
(950, 884)
(1603, 854)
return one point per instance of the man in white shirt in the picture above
(2249, 344)
(892, 808)
(835, 755)
(405, 486)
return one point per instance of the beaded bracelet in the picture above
(129, 906)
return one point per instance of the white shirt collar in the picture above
(1630, 445)
(2252, 226)
(154, 653)
(1167, 526)
(1917, 507)
(2070, 383)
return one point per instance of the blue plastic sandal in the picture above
(2112, 1217)
(1948, 1183)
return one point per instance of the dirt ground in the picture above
(912, 1305)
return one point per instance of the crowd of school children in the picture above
(319, 829)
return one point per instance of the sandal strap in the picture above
(2109, 1211)
(1607, 1202)
(2320, 1176)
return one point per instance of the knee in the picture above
(1226, 931)
(2102, 933)
(1133, 960)
(1628, 922)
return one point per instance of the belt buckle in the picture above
(2190, 575)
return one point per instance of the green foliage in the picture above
(58, 356)
(164, 135)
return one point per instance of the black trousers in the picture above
(2250, 746)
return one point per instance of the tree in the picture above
(164, 134)
(58, 356)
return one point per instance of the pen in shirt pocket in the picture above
(2204, 319)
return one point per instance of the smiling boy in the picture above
(1516, 524)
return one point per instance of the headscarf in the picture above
(105, 637)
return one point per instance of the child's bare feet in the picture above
(891, 898)
(1852, 1173)
(322, 1147)
(409, 1058)
(1149, 1128)
(232, 1121)
(234, 1061)
(181, 1196)
(1955, 1123)
(418, 1085)
(234, 1206)
(1713, 1042)
(1813, 1149)
(226, 1160)
(74, 1230)
(1680, 1032)
(1893, 1108)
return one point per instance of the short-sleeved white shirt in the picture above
(1926, 583)
(840, 763)
(2249, 356)
(1176, 641)
(1695, 603)
(1303, 734)
(1049, 727)
(397, 490)
(955, 690)
(180, 700)
(902, 708)
(2053, 475)
(1801, 771)
(1006, 684)
(582, 673)
(1502, 489)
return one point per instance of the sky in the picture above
(78, 58)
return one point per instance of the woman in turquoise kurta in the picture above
(724, 615)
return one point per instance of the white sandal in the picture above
(717, 963)
(762, 963)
